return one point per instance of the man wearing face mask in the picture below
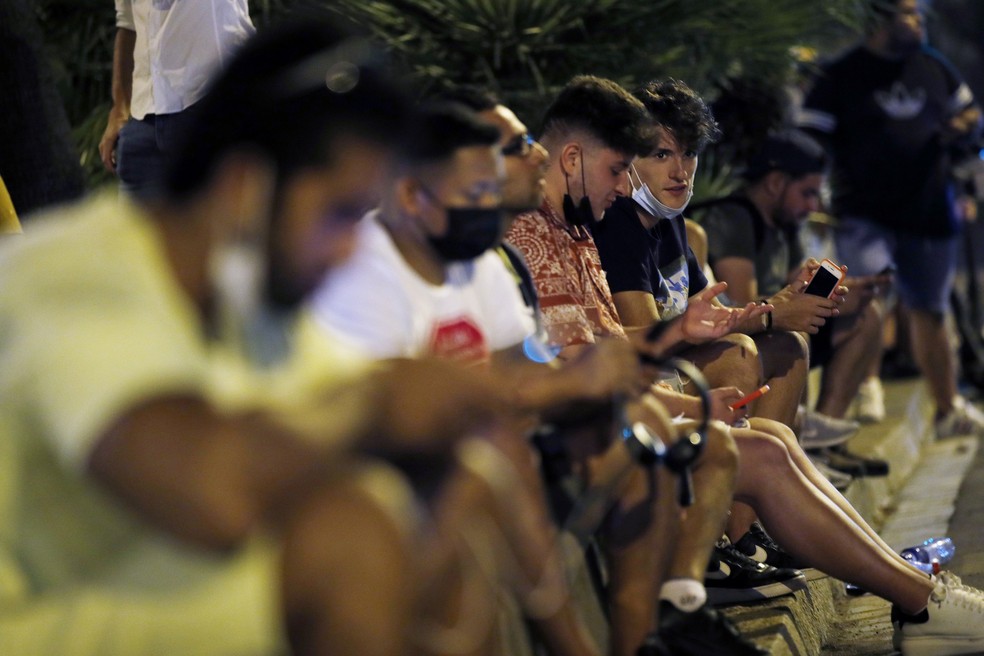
(160, 494)
(426, 253)
(425, 280)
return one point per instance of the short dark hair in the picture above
(878, 12)
(477, 99)
(679, 110)
(604, 109)
(289, 93)
(791, 151)
(440, 128)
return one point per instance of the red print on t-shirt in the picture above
(459, 339)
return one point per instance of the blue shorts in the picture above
(141, 149)
(926, 266)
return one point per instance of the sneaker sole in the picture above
(941, 646)
(818, 443)
(724, 596)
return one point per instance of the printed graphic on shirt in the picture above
(458, 339)
(900, 103)
(674, 289)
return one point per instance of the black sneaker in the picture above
(734, 578)
(704, 632)
(850, 463)
(759, 546)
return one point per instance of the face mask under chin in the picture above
(647, 200)
(582, 213)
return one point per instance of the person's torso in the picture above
(378, 301)
(179, 45)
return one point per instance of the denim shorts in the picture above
(141, 149)
(926, 266)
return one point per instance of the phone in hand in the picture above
(825, 279)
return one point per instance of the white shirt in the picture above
(381, 305)
(179, 45)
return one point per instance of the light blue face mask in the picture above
(648, 201)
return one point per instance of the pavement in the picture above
(934, 488)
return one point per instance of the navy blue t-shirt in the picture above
(657, 260)
(884, 119)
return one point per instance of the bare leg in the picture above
(812, 527)
(936, 360)
(856, 344)
(785, 365)
(732, 360)
(703, 522)
(348, 578)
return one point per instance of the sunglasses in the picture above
(520, 146)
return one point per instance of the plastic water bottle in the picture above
(931, 554)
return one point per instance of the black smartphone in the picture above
(825, 279)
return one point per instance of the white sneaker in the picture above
(870, 404)
(952, 624)
(818, 431)
(963, 419)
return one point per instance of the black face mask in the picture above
(471, 231)
(582, 213)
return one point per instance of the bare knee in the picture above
(720, 449)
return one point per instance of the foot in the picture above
(734, 578)
(704, 632)
(962, 419)
(838, 479)
(870, 406)
(953, 623)
(843, 460)
(819, 430)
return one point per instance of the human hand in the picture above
(705, 320)
(110, 136)
(609, 366)
(794, 310)
(721, 400)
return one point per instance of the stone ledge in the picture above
(800, 624)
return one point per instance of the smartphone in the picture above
(825, 280)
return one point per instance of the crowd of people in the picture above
(345, 372)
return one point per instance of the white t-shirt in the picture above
(92, 321)
(377, 302)
(179, 45)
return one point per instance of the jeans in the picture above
(142, 149)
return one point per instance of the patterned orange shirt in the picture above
(575, 301)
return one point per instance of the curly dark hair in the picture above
(604, 109)
(680, 111)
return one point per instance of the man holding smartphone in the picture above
(783, 183)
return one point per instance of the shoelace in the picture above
(763, 539)
(960, 594)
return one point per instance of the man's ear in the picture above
(243, 188)
(775, 181)
(570, 158)
(408, 195)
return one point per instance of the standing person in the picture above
(163, 56)
(162, 494)
(890, 109)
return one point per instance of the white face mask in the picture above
(648, 201)
(236, 273)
